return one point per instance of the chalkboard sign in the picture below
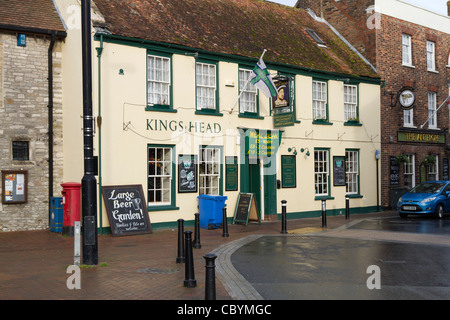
(339, 171)
(127, 210)
(187, 173)
(246, 209)
(394, 172)
(14, 186)
(231, 173)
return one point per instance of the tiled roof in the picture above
(237, 27)
(30, 14)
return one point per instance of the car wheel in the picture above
(439, 211)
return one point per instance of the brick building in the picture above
(410, 49)
(30, 112)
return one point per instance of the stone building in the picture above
(31, 33)
(410, 49)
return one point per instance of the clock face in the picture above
(407, 98)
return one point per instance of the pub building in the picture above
(175, 113)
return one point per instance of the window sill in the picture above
(250, 116)
(162, 208)
(324, 122)
(160, 109)
(354, 196)
(208, 113)
(353, 123)
(408, 65)
(323, 198)
(432, 71)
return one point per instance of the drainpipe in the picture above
(50, 123)
(99, 124)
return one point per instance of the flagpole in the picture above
(435, 112)
(239, 96)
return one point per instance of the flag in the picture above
(261, 79)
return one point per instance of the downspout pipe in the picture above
(50, 123)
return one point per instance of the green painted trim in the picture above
(182, 50)
(216, 110)
(220, 165)
(159, 107)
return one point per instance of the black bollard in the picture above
(324, 213)
(347, 208)
(196, 243)
(283, 216)
(210, 277)
(189, 278)
(180, 258)
(224, 222)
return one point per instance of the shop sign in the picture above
(183, 126)
(420, 137)
(262, 143)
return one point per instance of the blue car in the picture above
(427, 198)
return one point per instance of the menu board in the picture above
(246, 209)
(14, 186)
(127, 210)
(445, 172)
(394, 171)
(231, 173)
(187, 173)
(339, 171)
(288, 171)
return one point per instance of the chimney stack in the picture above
(448, 8)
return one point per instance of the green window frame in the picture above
(207, 88)
(210, 163)
(161, 189)
(322, 169)
(352, 172)
(159, 82)
(351, 104)
(249, 99)
(320, 101)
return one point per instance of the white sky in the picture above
(439, 6)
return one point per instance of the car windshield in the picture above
(428, 188)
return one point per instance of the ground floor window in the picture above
(409, 172)
(210, 170)
(321, 172)
(352, 171)
(160, 175)
(433, 169)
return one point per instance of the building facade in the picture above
(410, 48)
(175, 113)
(30, 113)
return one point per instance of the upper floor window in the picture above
(431, 59)
(350, 103)
(248, 99)
(21, 150)
(206, 84)
(432, 123)
(406, 50)
(158, 81)
(320, 98)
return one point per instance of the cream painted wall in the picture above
(125, 134)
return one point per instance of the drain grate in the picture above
(158, 270)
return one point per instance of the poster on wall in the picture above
(127, 210)
(14, 186)
(187, 173)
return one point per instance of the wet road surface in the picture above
(304, 267)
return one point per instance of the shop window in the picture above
(21, 150)
(158, 83)
(249, 94)
(210, 170)
(409, 176)
(352, 171)
(433, 169)
(320, 100)
(321, 172)
(351, 103)
(206, 87)
(160, 176)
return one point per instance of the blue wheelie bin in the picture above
(211, 210)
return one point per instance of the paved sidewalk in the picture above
(33, 264)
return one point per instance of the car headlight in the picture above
(428, 199)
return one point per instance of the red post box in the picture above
(71, 206)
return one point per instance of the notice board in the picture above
(127, 210)
(246, 209)
(14, 186)
(338, 171)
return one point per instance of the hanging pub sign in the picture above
(405, 97)
(283, 115)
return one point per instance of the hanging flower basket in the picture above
(429, 160)
(402, 158)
